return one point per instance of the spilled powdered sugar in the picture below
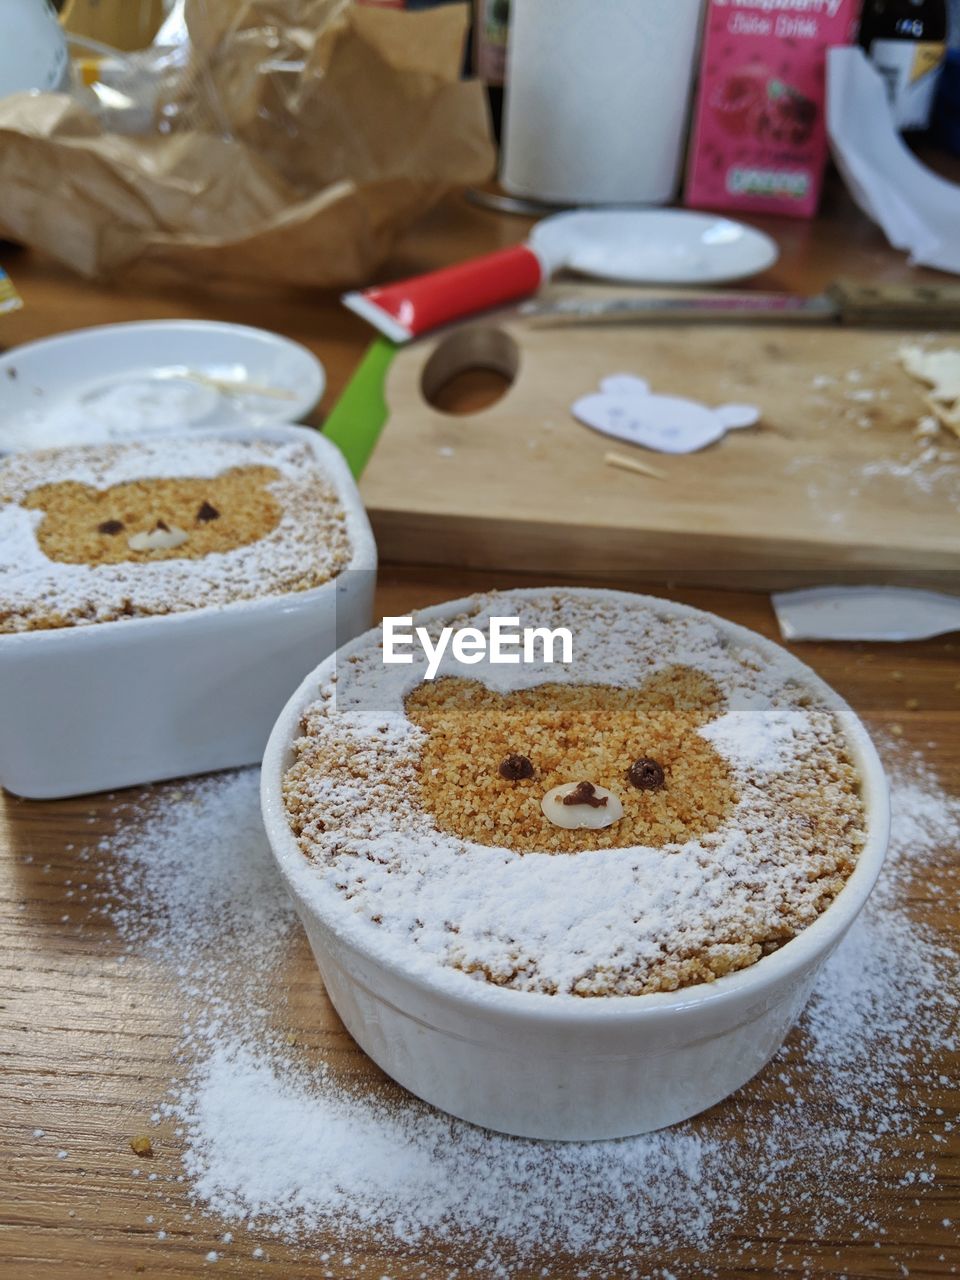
(308, 546)
(278, 1146)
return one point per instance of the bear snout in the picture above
(579, 806)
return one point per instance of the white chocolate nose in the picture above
(581, 806)
(162, 537)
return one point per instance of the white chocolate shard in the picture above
(161, 538)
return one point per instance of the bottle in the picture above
(490, 31)
(906, 40)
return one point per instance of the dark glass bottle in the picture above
(906, 40)
(490, 30)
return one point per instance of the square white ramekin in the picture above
(564, 1067)
(111, 704)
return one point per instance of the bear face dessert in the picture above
(155, 519)
(642, 772)
(104, 532)
(668, 807)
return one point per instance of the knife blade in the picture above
(844, 302)
(740, 307)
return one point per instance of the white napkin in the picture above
(917, 210)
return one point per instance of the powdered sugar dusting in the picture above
(761, 740)
(605, 920)
(188, 873)
(296, 1152)
(308, 546)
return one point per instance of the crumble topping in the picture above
(100, 532)
(582, 735)
(399, 800)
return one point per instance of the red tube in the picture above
(412, 307)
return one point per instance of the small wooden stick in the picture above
(235, 387)
(632, 464)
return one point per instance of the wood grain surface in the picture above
(522, 484)
(87, 1045)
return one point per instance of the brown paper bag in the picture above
(302, 138)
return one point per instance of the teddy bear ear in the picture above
(436, 702)
(53, 497)
(683, 692)
(738, 415)
(624, 384)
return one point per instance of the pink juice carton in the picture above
(759, 140)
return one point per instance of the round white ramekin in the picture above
(114, 704)
(564, 1067)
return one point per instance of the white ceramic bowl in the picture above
(112, 704)
(564, 1067)
(121, 381)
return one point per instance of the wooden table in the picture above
(86, 1057)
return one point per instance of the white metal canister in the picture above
(597, 99)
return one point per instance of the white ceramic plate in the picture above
(122, 380)
(654, 246)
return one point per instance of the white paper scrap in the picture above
(626, 409)
(865, 613)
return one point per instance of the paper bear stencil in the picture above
(571, 733)
(627, 409)
(155, 518)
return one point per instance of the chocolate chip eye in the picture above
(646, 774)
(515, 768)
(110, 526)
(206, 513)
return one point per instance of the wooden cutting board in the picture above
(833, 482)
